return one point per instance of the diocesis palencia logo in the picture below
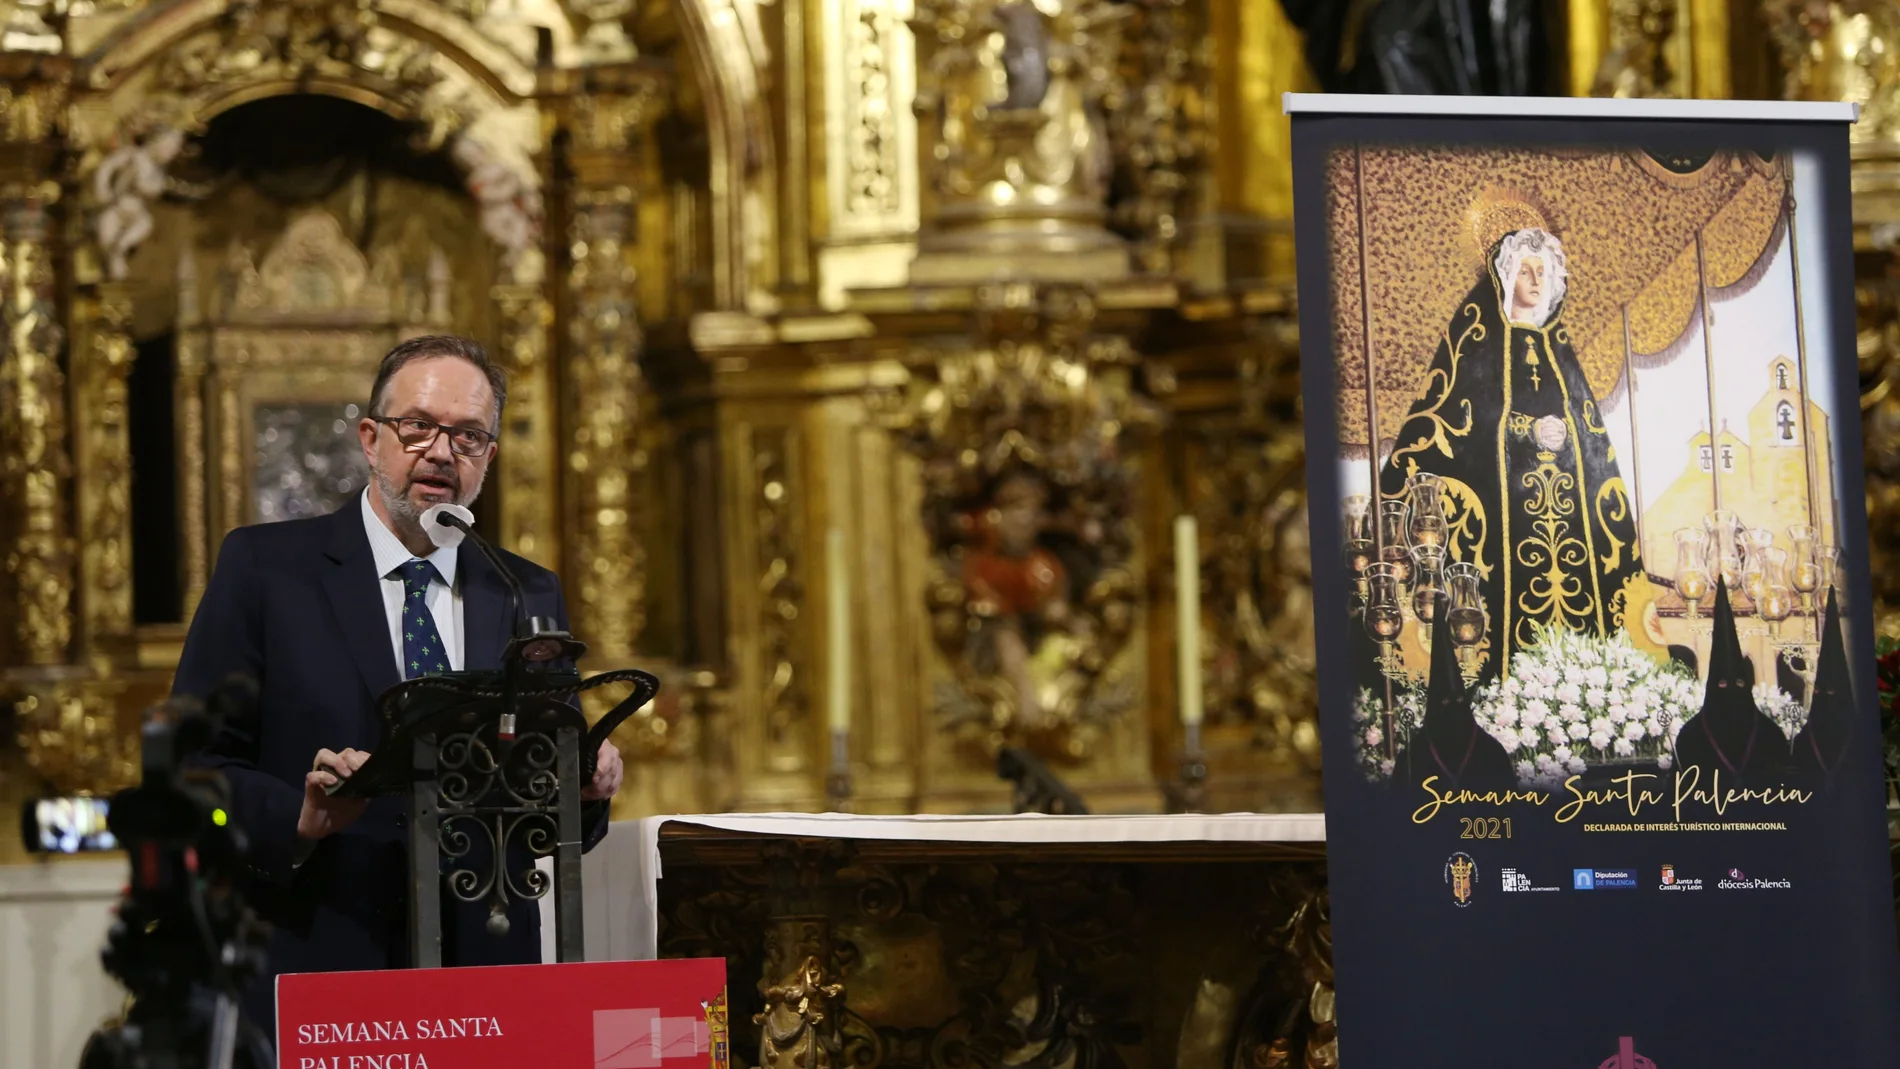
(1737, 880)
(1461, 876)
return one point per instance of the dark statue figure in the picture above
(1025, 54)
(1454, 47)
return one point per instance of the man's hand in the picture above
(322, 815)
(607, 773)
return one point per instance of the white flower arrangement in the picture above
(1783, 708)
(1369, 726)
(1573, 700)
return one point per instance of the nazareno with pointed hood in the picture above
(1730, 735)
(1822, 744)
(1450, 744)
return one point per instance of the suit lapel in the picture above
(484, 612)
(356, 596)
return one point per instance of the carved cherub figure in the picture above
(510, 205)
(125, 182)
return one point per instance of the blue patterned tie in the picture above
(422, 652)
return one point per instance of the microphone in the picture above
(447, 524)
(444, 534)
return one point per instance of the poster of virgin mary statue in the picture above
(1528, 363)
(1507, 418)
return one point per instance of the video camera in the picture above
(184, 943)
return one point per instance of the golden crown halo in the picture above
(1497, 211)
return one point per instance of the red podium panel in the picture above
(591, 1015)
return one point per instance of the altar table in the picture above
(1158, 940)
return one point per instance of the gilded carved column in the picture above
(34, 465)
(102, 361)
(606, 461)
(524, 474)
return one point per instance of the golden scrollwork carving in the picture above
(1013, 94)
(1638, 61)
(1160, 136)
(612, 113)
(33, 458)
(1249, 500)
(29, 111)
(1308, 936)
(1019, 429)
(673, 727)
(71, 735)
(299, 40)
(104, 449)
(1841, 50)
(1877, 300)
(1288, 1019)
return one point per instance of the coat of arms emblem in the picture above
(1461, 875)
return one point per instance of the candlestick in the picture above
(1187, 601)
(838, 781)
(1188, 792)
(838, 645)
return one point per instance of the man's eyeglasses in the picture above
(419, 434)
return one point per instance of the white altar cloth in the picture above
(621, 875)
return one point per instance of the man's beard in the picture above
(403, 510)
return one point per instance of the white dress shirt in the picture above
(445, 594)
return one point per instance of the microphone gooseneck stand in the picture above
(494, 763)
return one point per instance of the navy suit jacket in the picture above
(298, 607)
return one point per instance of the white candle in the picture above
(1187, 616)
(838, 609)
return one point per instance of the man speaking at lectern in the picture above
(322, 614)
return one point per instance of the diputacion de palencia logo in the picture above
(1601, 879)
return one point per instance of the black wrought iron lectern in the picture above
(494, 764)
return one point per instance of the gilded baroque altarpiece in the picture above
(990, 289)
(995, 290)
